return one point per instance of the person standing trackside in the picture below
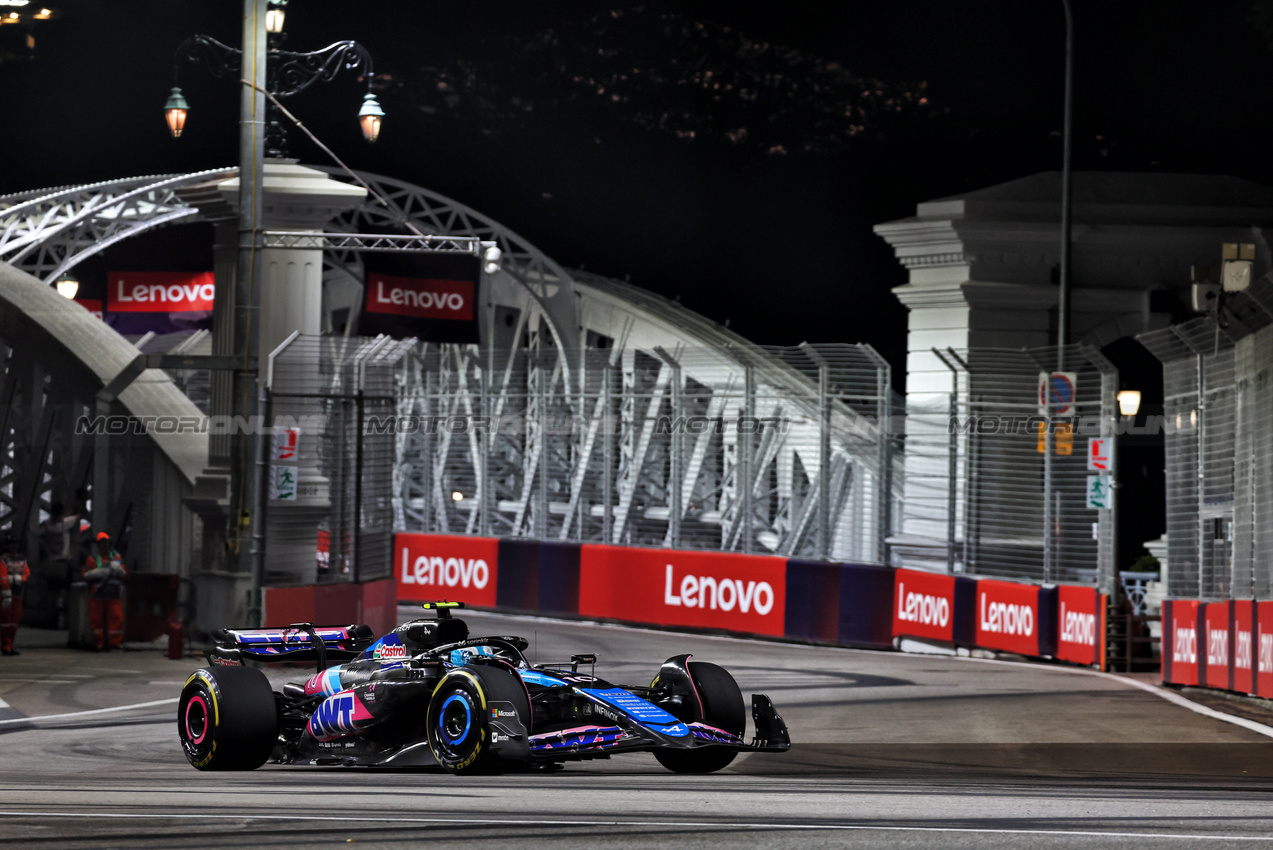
(105, 573)
(14, 573)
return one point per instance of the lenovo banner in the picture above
(1080, 624)
(1008, 617)
(742, 593)
(1180, 641)
(924, 605)
(1264, 649)
(433, 567)
(159, 292)
(431, 298)
(1218, 634)
(1244, 646)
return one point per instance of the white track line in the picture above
(41, 717)
(726, 826)
(1169, 696)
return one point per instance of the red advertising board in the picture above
(924, 605)
(421, 298)
(1180, 642)
(1244, 646)
(1264, 649)
(744, 593)
(1217, 635)
(1008, 617)
(93, 305)
(159, 292)
(440, 567)
(1078, 627)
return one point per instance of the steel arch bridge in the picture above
(582, 372)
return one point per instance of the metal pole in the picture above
(247, 296)
(1200, 441)
(676, 461)
(426, 449)
(487, 444)
(607, 452)
(952, 461)
(747, 450)
(1063, 308)
(541, 515)
(260, 502)
(360, 411)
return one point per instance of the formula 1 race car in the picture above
(428, 693)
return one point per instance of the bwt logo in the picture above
(1184, 648)
(1242, 655)
(445, 572)
(1006, 618)
(1218, 647)
(333, 718)
(1077, 627)
(922, 608)
(723, 594)
(1266, 654)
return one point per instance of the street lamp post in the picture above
(265, 72)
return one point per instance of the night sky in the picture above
(734, 155)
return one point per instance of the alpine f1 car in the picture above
(428, 693)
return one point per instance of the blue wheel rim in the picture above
(455, 719)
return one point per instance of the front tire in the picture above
(722, 707)
(227, 719)
(458, 722)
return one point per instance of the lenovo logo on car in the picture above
(1078, 627)
(922, 608)
(1184, 648)
(1218, 647)
(401, 297)
(445, 572)
(1006, 618)
(719, 594)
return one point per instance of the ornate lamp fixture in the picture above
(289, 73)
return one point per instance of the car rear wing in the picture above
(297, 642)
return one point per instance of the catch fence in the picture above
(1218, 419)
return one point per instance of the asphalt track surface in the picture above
(891, 750)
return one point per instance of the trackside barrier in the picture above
(1226, 645)
(1064, 622)
(747, 594)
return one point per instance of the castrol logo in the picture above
(445, 572)
(923, 608)
(1007, 618)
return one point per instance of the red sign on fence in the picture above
(744, 593)
(440, 567)
(1264, 649)
(1180, 642)
(1008, 617)
(924, 605)
(1244, 646)
(1079, 624)
(1218, 636)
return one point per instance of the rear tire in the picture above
(227, 719)
(458, 722)
(722, 707)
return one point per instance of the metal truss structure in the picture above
(48, 232)
(602, 412)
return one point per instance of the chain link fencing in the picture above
(1218, 419)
